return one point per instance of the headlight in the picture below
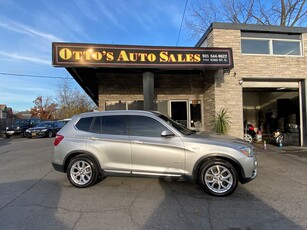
(246, 151)
(28, 130)
(44, 130)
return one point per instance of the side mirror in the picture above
(167, 133)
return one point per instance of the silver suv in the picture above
(140, 143)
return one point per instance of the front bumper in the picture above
(11, 132)
(251, 171)
(36, 134)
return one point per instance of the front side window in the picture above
(145, 127)
(182, 129)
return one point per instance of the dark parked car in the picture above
(44, 129)
(20, 126)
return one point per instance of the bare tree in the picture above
(71, 101)
(274, 12)
(43, 108)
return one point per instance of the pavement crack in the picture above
(25, 191)
(185, 213)
(133, 202)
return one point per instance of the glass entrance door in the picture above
(179, 112)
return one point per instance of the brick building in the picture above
(260, 78)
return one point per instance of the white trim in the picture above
(269, 84)
(301, 113)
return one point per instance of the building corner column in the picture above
(148, 90)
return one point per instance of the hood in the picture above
(38, 128)
(222, 139)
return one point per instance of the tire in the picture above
(291, 130)
(218, 177)
(248, 138)
(82, 171)
(49, 134)
(7, 136)
(283, 138)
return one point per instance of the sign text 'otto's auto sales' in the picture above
(74, 55)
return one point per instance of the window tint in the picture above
(84, 123)
(145, 126)
(96, 128)
(113, 125)
(250, 46)
(286, 48)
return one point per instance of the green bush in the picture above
(221, 123)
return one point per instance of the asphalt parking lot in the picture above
(34, 196)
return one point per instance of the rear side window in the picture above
(96, 128)
(113, 125)
(145, 126)
(84, 124)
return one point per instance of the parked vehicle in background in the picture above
(141, 143)
(44, 129)
(20, 126)
(249, 133)
(64, 121)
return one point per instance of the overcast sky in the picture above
(28, 27)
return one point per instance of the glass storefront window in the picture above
(186, 112)
(250, 46)
(161, 106)
(135, 105)
(195, 112)
(115, 105)
(270, 46)
(286, 48)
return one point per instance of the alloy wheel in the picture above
(218, 179)
(81, 172)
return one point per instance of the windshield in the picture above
(21, 122)
(176, 125)
(44, 124)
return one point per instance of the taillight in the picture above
(58, 139)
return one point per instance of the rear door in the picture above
(110, 142)
(151, 153)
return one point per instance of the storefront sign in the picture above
(81, 55)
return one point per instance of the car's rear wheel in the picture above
(218, 177)
(82, 171)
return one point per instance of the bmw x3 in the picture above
(96, 145)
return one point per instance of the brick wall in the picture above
(227, 92)
(167, 87)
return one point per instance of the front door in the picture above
(179, 112)
(151, 153)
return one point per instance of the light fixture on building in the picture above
(240, 81)
(226, 71)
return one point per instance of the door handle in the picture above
(94, 138)
(137, 142)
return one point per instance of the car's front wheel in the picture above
(82, 171)
(218, 177)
